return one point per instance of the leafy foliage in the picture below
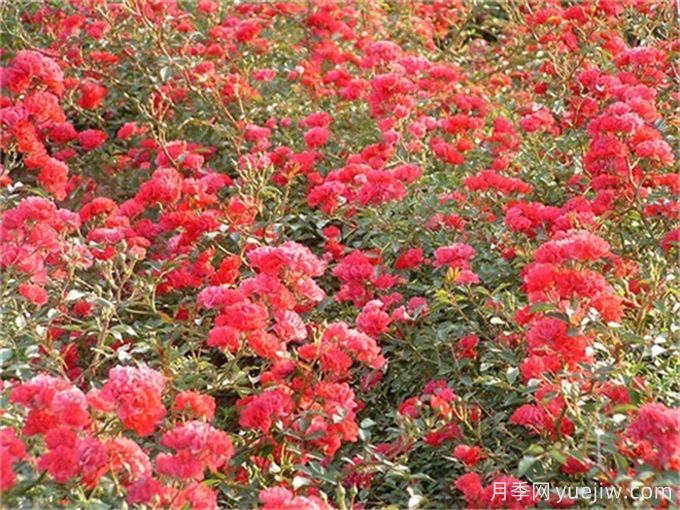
(338, 254)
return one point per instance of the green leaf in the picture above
(542, 308)
(535, 449)
(525, 464)
(6, 354)
(558, 456)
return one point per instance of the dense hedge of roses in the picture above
(315, 255)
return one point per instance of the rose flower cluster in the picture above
(338, 254)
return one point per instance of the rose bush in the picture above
(314, 255)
